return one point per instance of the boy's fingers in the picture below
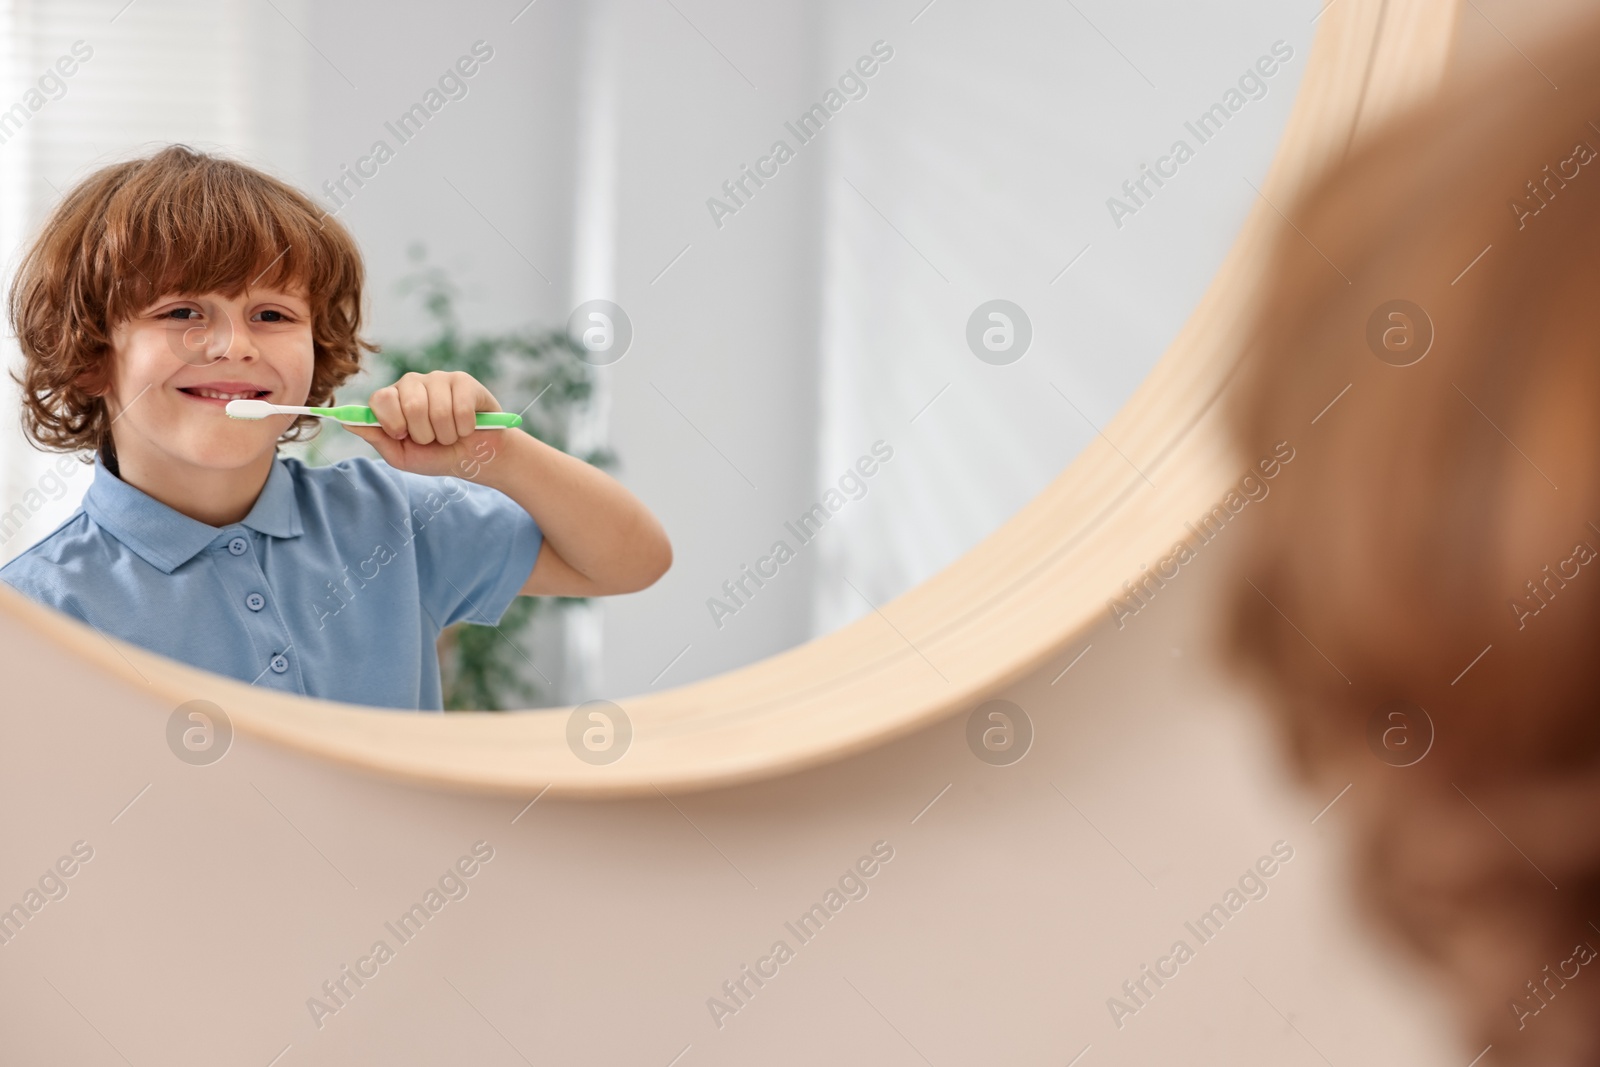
(466, 406)
(440, 407)
(385, 405)
(414, 404)
(441, 410)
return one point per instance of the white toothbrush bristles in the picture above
(250, 409)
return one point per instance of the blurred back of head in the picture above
(1424, 587)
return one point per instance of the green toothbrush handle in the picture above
(360, 415)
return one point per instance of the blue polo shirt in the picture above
(335, 585)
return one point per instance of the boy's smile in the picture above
(175, 365)
(222, 392)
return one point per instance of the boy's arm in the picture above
(599, 539)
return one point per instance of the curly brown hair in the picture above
(177, 221)
(1434, 547)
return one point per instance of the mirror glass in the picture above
(833, 288)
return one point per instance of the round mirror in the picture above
(850, 297)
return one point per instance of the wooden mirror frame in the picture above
(1024, 595)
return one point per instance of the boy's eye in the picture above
(183, 313)
(273, 316)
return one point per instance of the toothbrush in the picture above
(351, 414)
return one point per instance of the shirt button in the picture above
(238, 546)
(255, 601)
(280, 663)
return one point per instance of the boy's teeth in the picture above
(213, 394)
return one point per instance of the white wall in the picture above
(977, 168)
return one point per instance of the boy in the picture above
(163, 287)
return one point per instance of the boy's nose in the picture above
(230, 339)
(240, 345)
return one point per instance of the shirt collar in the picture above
(167, 539)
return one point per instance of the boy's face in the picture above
(169, 355)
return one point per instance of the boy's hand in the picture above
(426, 422)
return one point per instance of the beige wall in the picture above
(223, 897)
